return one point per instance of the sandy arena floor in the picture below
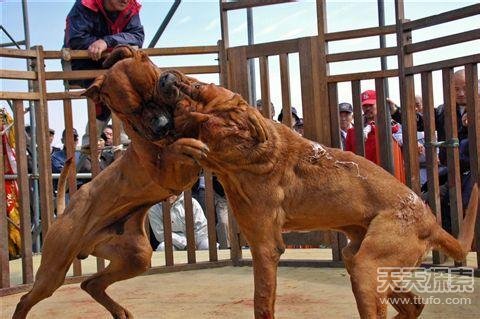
(227, 292)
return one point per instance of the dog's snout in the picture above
(161, 125)
(166, 81)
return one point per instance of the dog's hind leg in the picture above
(129, 254)
(407, 304)
(387, 249)
(57, 256)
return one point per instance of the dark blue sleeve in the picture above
(57, 162)
(133, 34)
(79, 28)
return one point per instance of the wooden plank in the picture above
(73, 75)
(45, 166)
(473, 111)
(223, 64)
(167, 233)
(359, 33)
(16, 53)
(18, 75)
(23, 192)
(189, 226)
(70, 153)
(285, 87)
(272, 48)
(239, 71)
(442, 17)
(358, 118)
(234, 236)
(310, 263)
(334, 115)
(407, 100)
(235, 5)
(431, 153)
(83, 54)
(224, 25)
(450, 63)
(210, 214)
(362, 76)
(4, 256)
(265, 87)
(93, 135)
(363, 54)
(19, 96)
(202, 69)
(384, 129)
(451, 132)
(203, 49)
(314, 90)
(443, 41)
(117, 128)
(65, 95)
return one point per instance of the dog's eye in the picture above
(197, 86)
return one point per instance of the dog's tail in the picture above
(458, 249)
(62, 185)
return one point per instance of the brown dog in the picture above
(275, 180)
(105, 217)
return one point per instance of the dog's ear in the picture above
(93, 90)
(119, 53)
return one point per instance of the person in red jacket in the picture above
(99, 26)
(369, 108)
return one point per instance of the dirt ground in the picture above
(227, 292)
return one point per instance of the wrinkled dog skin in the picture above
(105, 217)
(276, 180)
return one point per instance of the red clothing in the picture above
(123, 18)
(371, 149)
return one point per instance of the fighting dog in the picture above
(276, 180)
(105, 218)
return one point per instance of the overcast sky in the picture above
(198, 23)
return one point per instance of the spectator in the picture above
(460, 101)
(177, 213)
(259, 105)
(346, 121)
(369, 107)
(422, 159)
(58, 158)
(221, 211)
(107, 135)
(98, 26)
(221, 208)
(50, 141)
(297, 122)
(105, 158)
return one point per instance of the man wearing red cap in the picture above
(369, 108)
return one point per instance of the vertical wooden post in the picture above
(4, 257)
(384, 129)
(210, 214)
(407, 101)
(265, 85)
(358, 118)
(285, 84)
(45, 165)
(431, 154)
(473, 111)
(23, 192)
(453, 164)
(189, 226)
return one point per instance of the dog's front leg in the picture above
(266, 245)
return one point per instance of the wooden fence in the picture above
(319, 92)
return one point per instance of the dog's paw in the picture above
(190, 147)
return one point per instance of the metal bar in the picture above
(164, 24)
(384, 130)
(383, 59)
(17, 44)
